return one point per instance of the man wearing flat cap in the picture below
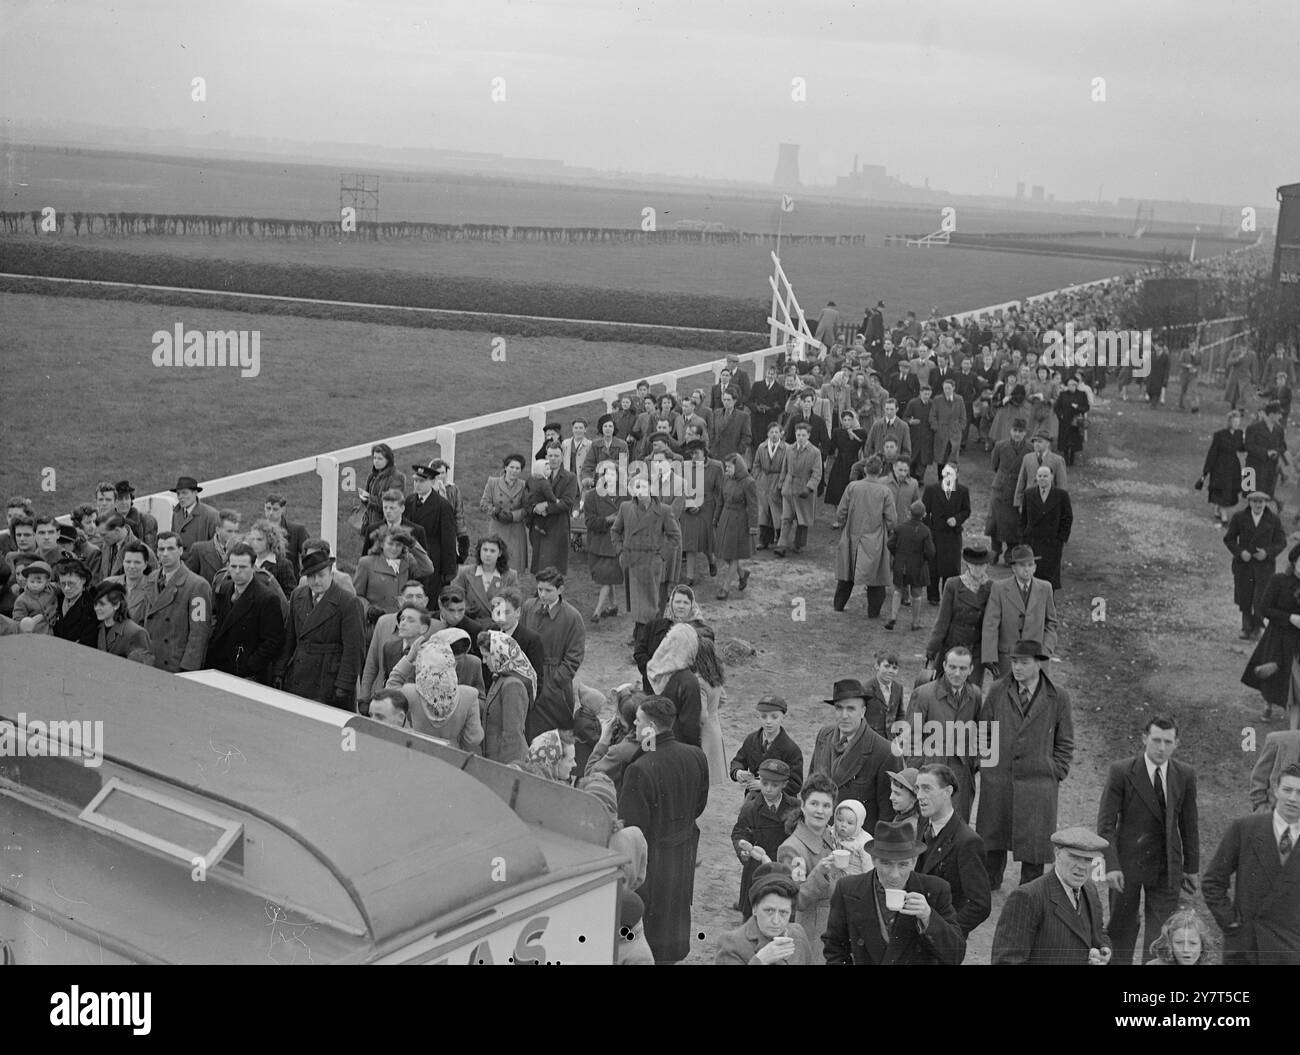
(857, 759)
(893, 914)
(1027, 744)
(1057, 919)
(760, 825)
(1041, 455)
(1255, 537)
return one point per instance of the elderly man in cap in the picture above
(1255, 537)
(953, 852)
(193, 521)
(759, 830)
(1057, 919)
(142, 525)
(1027, 743)
(893, 914)
(1020, 607)
(770, 740)
(1041, 455)
(1006, 460)
(769, 937)
(324, 641)
(1046, 518)
(954, 702)
(855, 757)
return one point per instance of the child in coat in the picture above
(912, 547)
(849, 817)
(39, 596)
(760, 826)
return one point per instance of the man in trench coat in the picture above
(867, 514)
(1255, 537)
(769, 468)
(324, 643)
(1026, 754)
(178, 615)
(664, 791)
(1020, 606)
(803, 472)
(646, 535)
(948, 422)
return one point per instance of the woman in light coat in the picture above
(487, 576)
(440, 706)
(503, 501)
(807, 851)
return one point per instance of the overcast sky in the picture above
(1201, 95)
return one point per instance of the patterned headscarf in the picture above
(504, 656)
(435, 680)
(546, 752)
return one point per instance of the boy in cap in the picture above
(770, 740)
(1056, 918)
(760, 826)
(913, 550)
(39, 595)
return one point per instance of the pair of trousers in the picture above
(875, 597)
(1158, 904)
(793, 536)
(995, 862)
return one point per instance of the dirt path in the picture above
(1142, 542)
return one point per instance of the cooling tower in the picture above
(787, 167)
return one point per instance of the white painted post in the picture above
(160, 507)
(327, 468)
(610, 395)
(776, 270)
(537, 415)
(447, 444)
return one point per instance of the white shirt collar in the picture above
(938, 825)
(1280, 825)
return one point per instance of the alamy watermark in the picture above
(62, 739)
(182, 347)
(664, 478)
(1107, 348)
(949, 739)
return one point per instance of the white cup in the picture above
(840, 858)
(894, 899)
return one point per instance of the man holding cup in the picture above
(893, 914)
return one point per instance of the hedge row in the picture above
(399, 288)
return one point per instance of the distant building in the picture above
(1020, 190)
(866, 181)
(1036, 194)
(787, 167)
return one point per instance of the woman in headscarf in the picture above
(1223, 467)
(514, 687)
(708, 669)
(847, 439)
(600, 510)
(672, 676)
(503, 500)
(736, 525)
(550, 756)
(681, 608)
(383, 476)
(440, 706)
(469, 668)
(1013, 408)
(838, 395)
(618, 743)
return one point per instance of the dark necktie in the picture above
(1040, 459)
(928, 837)
(1160, 790)
(1024, 595)
(1284, 845)
(1024, 698)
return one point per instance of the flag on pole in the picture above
(787, 203)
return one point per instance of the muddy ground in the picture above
(1143, 542)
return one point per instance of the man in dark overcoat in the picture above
(953, 852)
(1148, 816)
(665, 789)
(857, 760)
(1005, 461)
(1056, 919)
(947, 508)
(434, 515)
(1026, 755)
(1265, 448)
(247, 626)
(1046, 518)
(324, 644)
(1255, 537)
(952, 700)
(549, 535)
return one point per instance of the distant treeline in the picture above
(79, 222)
(358, 286)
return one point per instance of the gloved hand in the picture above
(343, 698)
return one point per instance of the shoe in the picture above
(779, 552)
(721, 595)
(744, 580)
(906, 602)
(1245, 635)
(595, 617)
(713, 568)
(760, 546)
(889, 624)
(611, 611)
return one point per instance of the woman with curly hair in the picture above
(384, 476)
(618, 743)
(484, 578)
(271, 544)
(1184, 940)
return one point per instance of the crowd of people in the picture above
(862, 850)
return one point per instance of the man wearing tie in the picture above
(1041, 455)
(729, 431)
(953, 852)
(1046, 518)
(1056, 919)
(324, 643)
(1261, 922)
(948, 420)
(1148, 815)
(179, 613)
(1021, 606)
(947, 508)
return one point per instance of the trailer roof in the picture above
(413, 836)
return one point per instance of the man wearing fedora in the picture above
(193, 521)
(1020, 607)
(434, 515)
(870, 924)
(142, 525)
(1041, 455)
(1007, 458)
(1034, 730)
(954, 702)
(856, 758)
(953, 852)
(1057, 919)
(1255, 537)
(324, 641)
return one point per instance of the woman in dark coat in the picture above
(737, 522)
(1274, 668)
(681, 608)
(74, 618)
(600, 510)
(672, 675)
(1159, 376)
(1013, 409)
(961, 613)
(1222, 467)
(383, 476)
(119, 635)
(697, 520)
(846, 439)
(1071, 409)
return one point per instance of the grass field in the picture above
(99, 409)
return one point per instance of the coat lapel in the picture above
(875, 945)
(321, 612)
(1137, 776)
(937, 851)
(1064, 910)
(1266, 852)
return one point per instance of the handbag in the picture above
(357, 518)
(1200, 484)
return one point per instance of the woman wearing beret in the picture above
(769, 936)
(1274, 668)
